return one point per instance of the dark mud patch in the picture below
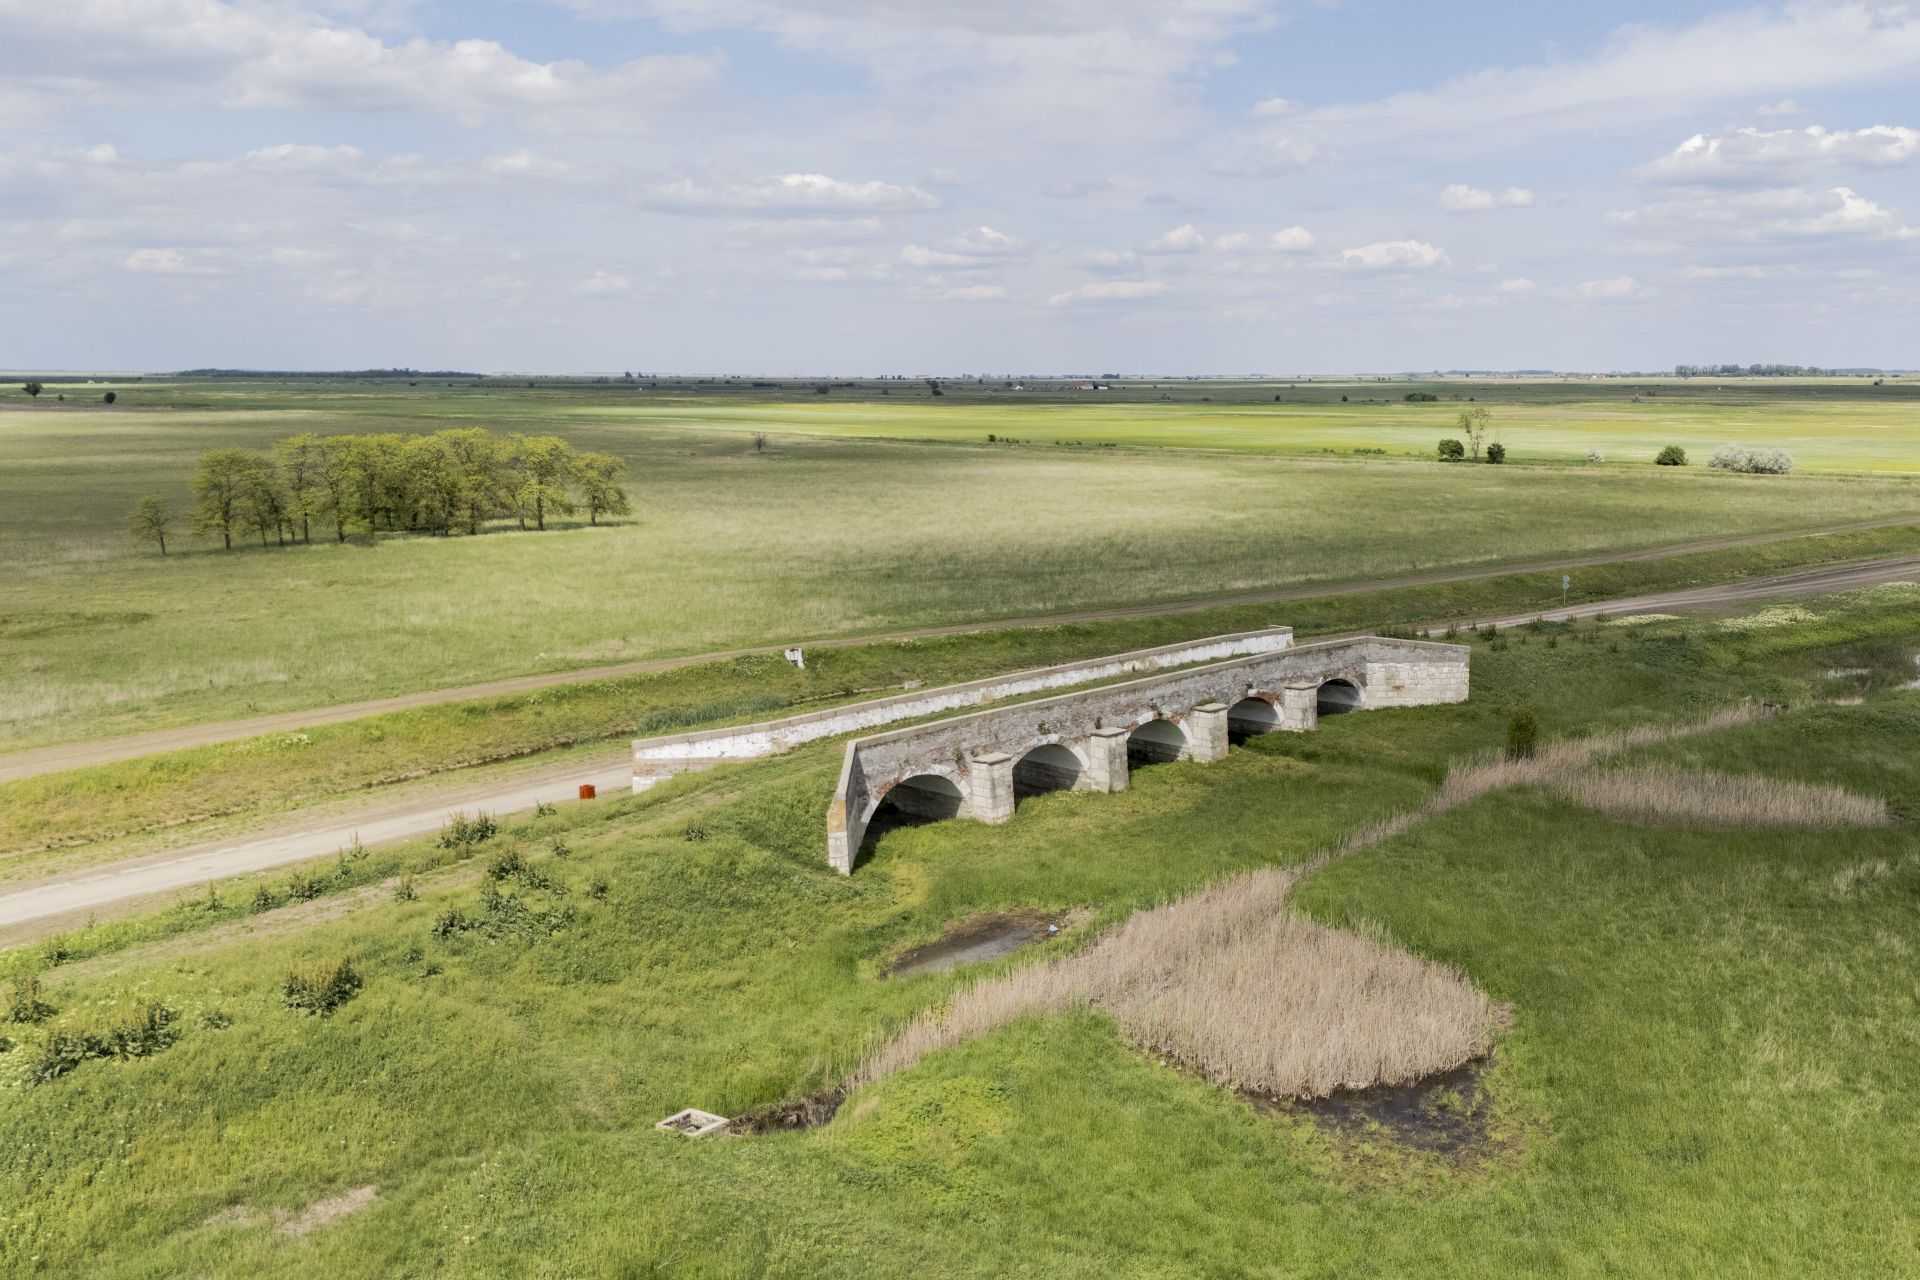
(976, 939)
(805, 1113)
(1445, 1115)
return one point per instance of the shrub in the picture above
(404, 891)
(1671, 456)
(1496, 452)
(462, 833)
(264, 899)
(1765, 462)
(1523, 734)
(321, 989)
(24, 1004)
(110, 397)
(1594, 455)
(145, 1029)
(1451, 450)
(1421, 397)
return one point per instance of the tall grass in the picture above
(1699, 795)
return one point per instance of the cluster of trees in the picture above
(1474, 425)
(456, 479)
(1750, 371)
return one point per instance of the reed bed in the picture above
(1650, 794)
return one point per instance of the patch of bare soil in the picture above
(321, 1212)
(805, 1113)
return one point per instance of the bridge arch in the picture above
(1252, 715)
(926, 797)
(1338, 696)
(1157, 742)
(1051, 766)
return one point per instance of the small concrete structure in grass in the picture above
(976, 766)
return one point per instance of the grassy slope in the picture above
(256, 775)
(736, 548)
(1714, 1067)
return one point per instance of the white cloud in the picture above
(980, 247)
(1763, 154)
(1617, 287)
(1075, 188)
(1274, 107)
(975, 293)
(1750, 272)
(1291, 240)
(1652, 71)
(1235, 242)
(1182, 239)
(1110, 260)
(522, 163)
(1517, 287)
(792, 192)
(1265, 157)
(280, 56)
(1109, 291)
(1777, 110)
(602, 284)
(1461, 198)
(1391, 255)
(166, 262)
(1853, 215)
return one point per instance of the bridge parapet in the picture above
(1085, 739)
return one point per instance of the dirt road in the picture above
(53, 759)
(45, 906)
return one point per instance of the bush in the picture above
(1452, 450)
(1523, 734)
(1496, 452)
(24, 1004)
(146, 1029)
(110, 397)
(1421, 397)
(321, 989)
(1594, 455)
(1764, 462)
(1671, 456)
(462, 833)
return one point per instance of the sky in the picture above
(929, 186)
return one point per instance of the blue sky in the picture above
(859, 186)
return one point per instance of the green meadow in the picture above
(1713, 1065)
(862, 514)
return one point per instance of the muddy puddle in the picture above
(804, 1113)
(1445, 1114)
(986, 937)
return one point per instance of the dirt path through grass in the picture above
(27, 764)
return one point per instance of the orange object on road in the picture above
(586, 791)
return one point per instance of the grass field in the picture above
(817, 536)
(1714, 1066)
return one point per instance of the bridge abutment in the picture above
(1207, 732)
(1299, 705)
(990, 784)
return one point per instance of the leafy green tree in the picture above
(151, 521)
(482, 464)
(1672, 456)
(1496, 452)
(1523, 734)
(599, 476)
(33, 389)
(542, 469)
(263, 503)
(217, 491)
(1451, 450)
(110, 397)
(299, 459)
(333, 479)
(1473, 425)
(436, 489)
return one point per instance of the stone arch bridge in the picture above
(976, 766)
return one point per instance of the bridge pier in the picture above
(1207, 731)
(990, 789)
(1107, 760)
(1299, 705)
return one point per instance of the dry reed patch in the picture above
(1650, 794)
(1250, 994)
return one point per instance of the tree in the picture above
(599, 476)
(1672, 456)
(333, 476)
(483, 473)
(262, 503)
(435, 484)
(150, 521)
(1473, 425)
(33, 389)
(542, 467)
(217, 490)
(759, 442)
(1496, 452)
(300, 460)
(110, 397)
(1452, 450)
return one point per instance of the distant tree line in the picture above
(1750, 371)
(451, 480)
